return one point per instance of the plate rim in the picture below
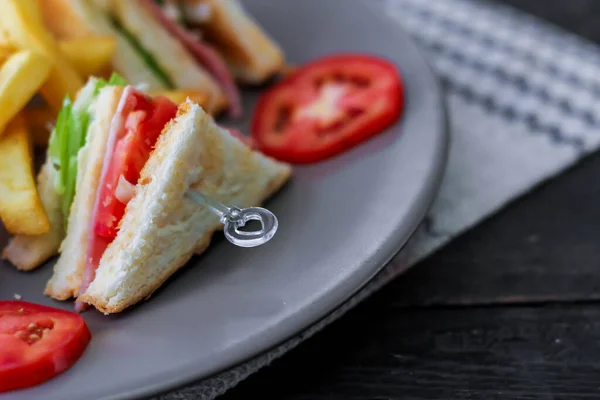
(431, 192)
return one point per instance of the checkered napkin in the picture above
(524, 104)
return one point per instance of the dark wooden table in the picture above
(510, 310)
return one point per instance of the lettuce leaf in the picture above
(77, 124)
(57, 147)
(70, 135)
(117, 80)
(149, 60)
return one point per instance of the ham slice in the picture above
(204, 55)
(97, 244)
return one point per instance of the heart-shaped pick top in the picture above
(234, 219)
(250, 238)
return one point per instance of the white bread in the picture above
(78, 18)
(251, 54)
(68, 270)
(28, 252)
(161, 228)
(168, 52)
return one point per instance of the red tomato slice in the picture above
(145, 118)
(327, 107)
(37, 343)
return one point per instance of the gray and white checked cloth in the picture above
(524, 105)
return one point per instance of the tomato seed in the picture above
(21, 335)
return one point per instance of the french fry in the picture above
(39, 121)
(62, 21)
(90, 55)
(21, 209)
(21, 76)
(5, 52)
(180, 96)
(23, 27)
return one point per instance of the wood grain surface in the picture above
(382, 351)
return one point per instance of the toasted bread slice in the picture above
(168, 52)
(79, 18)
(68, 270)
(162, 228)
(28, 252)
(251, 54)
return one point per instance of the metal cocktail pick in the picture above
(234, 219)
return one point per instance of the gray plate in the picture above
(340, 222)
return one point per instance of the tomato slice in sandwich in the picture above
(327, 107)
(144, 119)
(37, 343)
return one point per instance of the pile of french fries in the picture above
(32, 61)
(39, 54)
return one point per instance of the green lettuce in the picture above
(57, 146)
(69, 136)
(149, 60)
(116, 80)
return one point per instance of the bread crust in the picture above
(252, 55)
(162, 228)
